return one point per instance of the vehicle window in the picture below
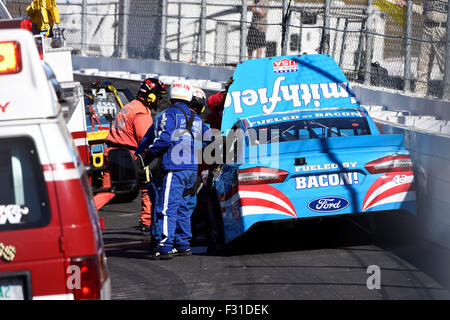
(309, 129)
(23, 196)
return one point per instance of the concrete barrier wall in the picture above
(396, 101)
(212, 77)
(430, 153)
(431, 159)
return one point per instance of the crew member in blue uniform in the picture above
(179, 129)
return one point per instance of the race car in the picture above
(302, 147)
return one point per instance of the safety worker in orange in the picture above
(127, 130)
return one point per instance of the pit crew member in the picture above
(177, 128)
(128, 129)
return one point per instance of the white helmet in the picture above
(181, 90)
(199, 95)
(198, 100)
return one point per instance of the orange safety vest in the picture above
(130, 125)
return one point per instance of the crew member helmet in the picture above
(198, 100)
(150, 92)
(181, 90)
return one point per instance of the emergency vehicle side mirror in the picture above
(124, 176)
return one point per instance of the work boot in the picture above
(153, 243)
(145, 229)
(178, 252)
(162, 255)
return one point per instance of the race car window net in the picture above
(24, 200)
(308, 129)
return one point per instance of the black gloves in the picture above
(227, 86)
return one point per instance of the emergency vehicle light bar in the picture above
(17, 24)
(10, 57)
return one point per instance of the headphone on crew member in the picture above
(149, 90)
(151, 98)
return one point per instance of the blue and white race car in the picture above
(304, 148)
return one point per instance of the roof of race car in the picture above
(286, 83)
(279, 117)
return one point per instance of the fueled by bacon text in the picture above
(326, 180)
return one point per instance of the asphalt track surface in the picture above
(312, 260)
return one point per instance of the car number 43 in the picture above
(400, 178)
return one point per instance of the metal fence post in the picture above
(285, 26)
(179, 32)
(325, 41)
(243, 45)
(408, 34)
(123, 28)
(162, 44)
(336, 35)
(369, 47)
(202, 31)
(83, 27)
(344, 39)
(446, 93)
(300, 33)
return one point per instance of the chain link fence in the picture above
(376, 42)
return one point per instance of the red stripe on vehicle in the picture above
(258, 202)
(56, 166)
(382, 180)
(265, 188)
(390, 192)
(83, 151)
(79, 134)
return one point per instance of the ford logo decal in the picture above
(328, 204)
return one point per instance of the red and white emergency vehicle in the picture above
(51, 244)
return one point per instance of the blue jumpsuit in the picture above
(154, 186)
(172, 141)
